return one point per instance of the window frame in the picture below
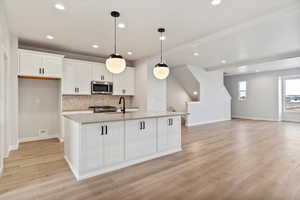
(245, 91)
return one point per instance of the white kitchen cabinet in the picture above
(140, 138)
(77, 77)
(124, 83)
(39, 64)
(102, 145)
(113, 142)
(91, 148)
(100, 73)
(168, 133)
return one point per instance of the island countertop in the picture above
(89, 118)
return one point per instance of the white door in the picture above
(84, 78)
(30, 64)
(70, 75)
(91, 148)
(100, 73)
(113, 142)
(53, 66)
(124, 83)
(174, 132)
(169, 133)
(140, 138)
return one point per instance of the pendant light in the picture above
(161, 70)
(115, 63)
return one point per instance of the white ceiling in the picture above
(88, 22)
(262, 67)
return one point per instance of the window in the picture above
(292, 94)
(242, 90)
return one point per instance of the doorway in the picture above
(291, 98)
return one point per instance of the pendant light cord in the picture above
(161, 47)
(115, 47)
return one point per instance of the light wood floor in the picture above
(234, 160)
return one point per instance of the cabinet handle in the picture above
(101, 130)
(103, 77)
(123, 91)
(171, 122)
(77, 89)
(43, 70)
(144, 125)
(141, 126)
(40, 70)
(106, 130)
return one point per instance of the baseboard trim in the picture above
(36, 138)
(256, 118)
(207, 122)
(14, 147)
(120, 165)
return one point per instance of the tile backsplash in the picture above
(74, 102)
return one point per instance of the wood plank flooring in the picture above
(233, 160)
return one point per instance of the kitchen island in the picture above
(98, 143)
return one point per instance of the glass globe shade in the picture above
(161, 71)
(115, 64)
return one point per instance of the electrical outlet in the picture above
(43, 132)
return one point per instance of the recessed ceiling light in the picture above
(257, 70)
(242, 67)
(162, 37)
(121, 25)
(224, 61)
(59, 6)
(129, 53)
(216, 2)
(195, 92)
(196, 54)
(49, 37)
(95, 46)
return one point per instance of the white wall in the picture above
(38, 108)
(214, 104)
(263, 92)
(177, 97)
(6, 129)
(151, 93)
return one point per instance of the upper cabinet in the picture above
(77, 77)
(39, 64)
(100, 73)
(124, 83)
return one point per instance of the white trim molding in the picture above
(207, 122)
(256, 118)
(36, 138)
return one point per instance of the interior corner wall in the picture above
(177, 97)
(262, 101)
(214, 104)
(151, 93)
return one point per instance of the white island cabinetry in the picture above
(99, 147)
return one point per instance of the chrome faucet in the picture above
(123, 107)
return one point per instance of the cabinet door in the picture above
(30, 64)
(53, 66)
(169, 133)
(113, 143)
(124, 83)
(174, 132)
(77, 77)
(70, 75)
(100, 73)
(140, 139)
(91, 151)
(84, 78)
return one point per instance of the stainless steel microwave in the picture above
(101, 87)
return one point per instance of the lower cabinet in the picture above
(168, 133)
(96, 148)
(140, 138)
(101, 145)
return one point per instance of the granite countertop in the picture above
(90, 118)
